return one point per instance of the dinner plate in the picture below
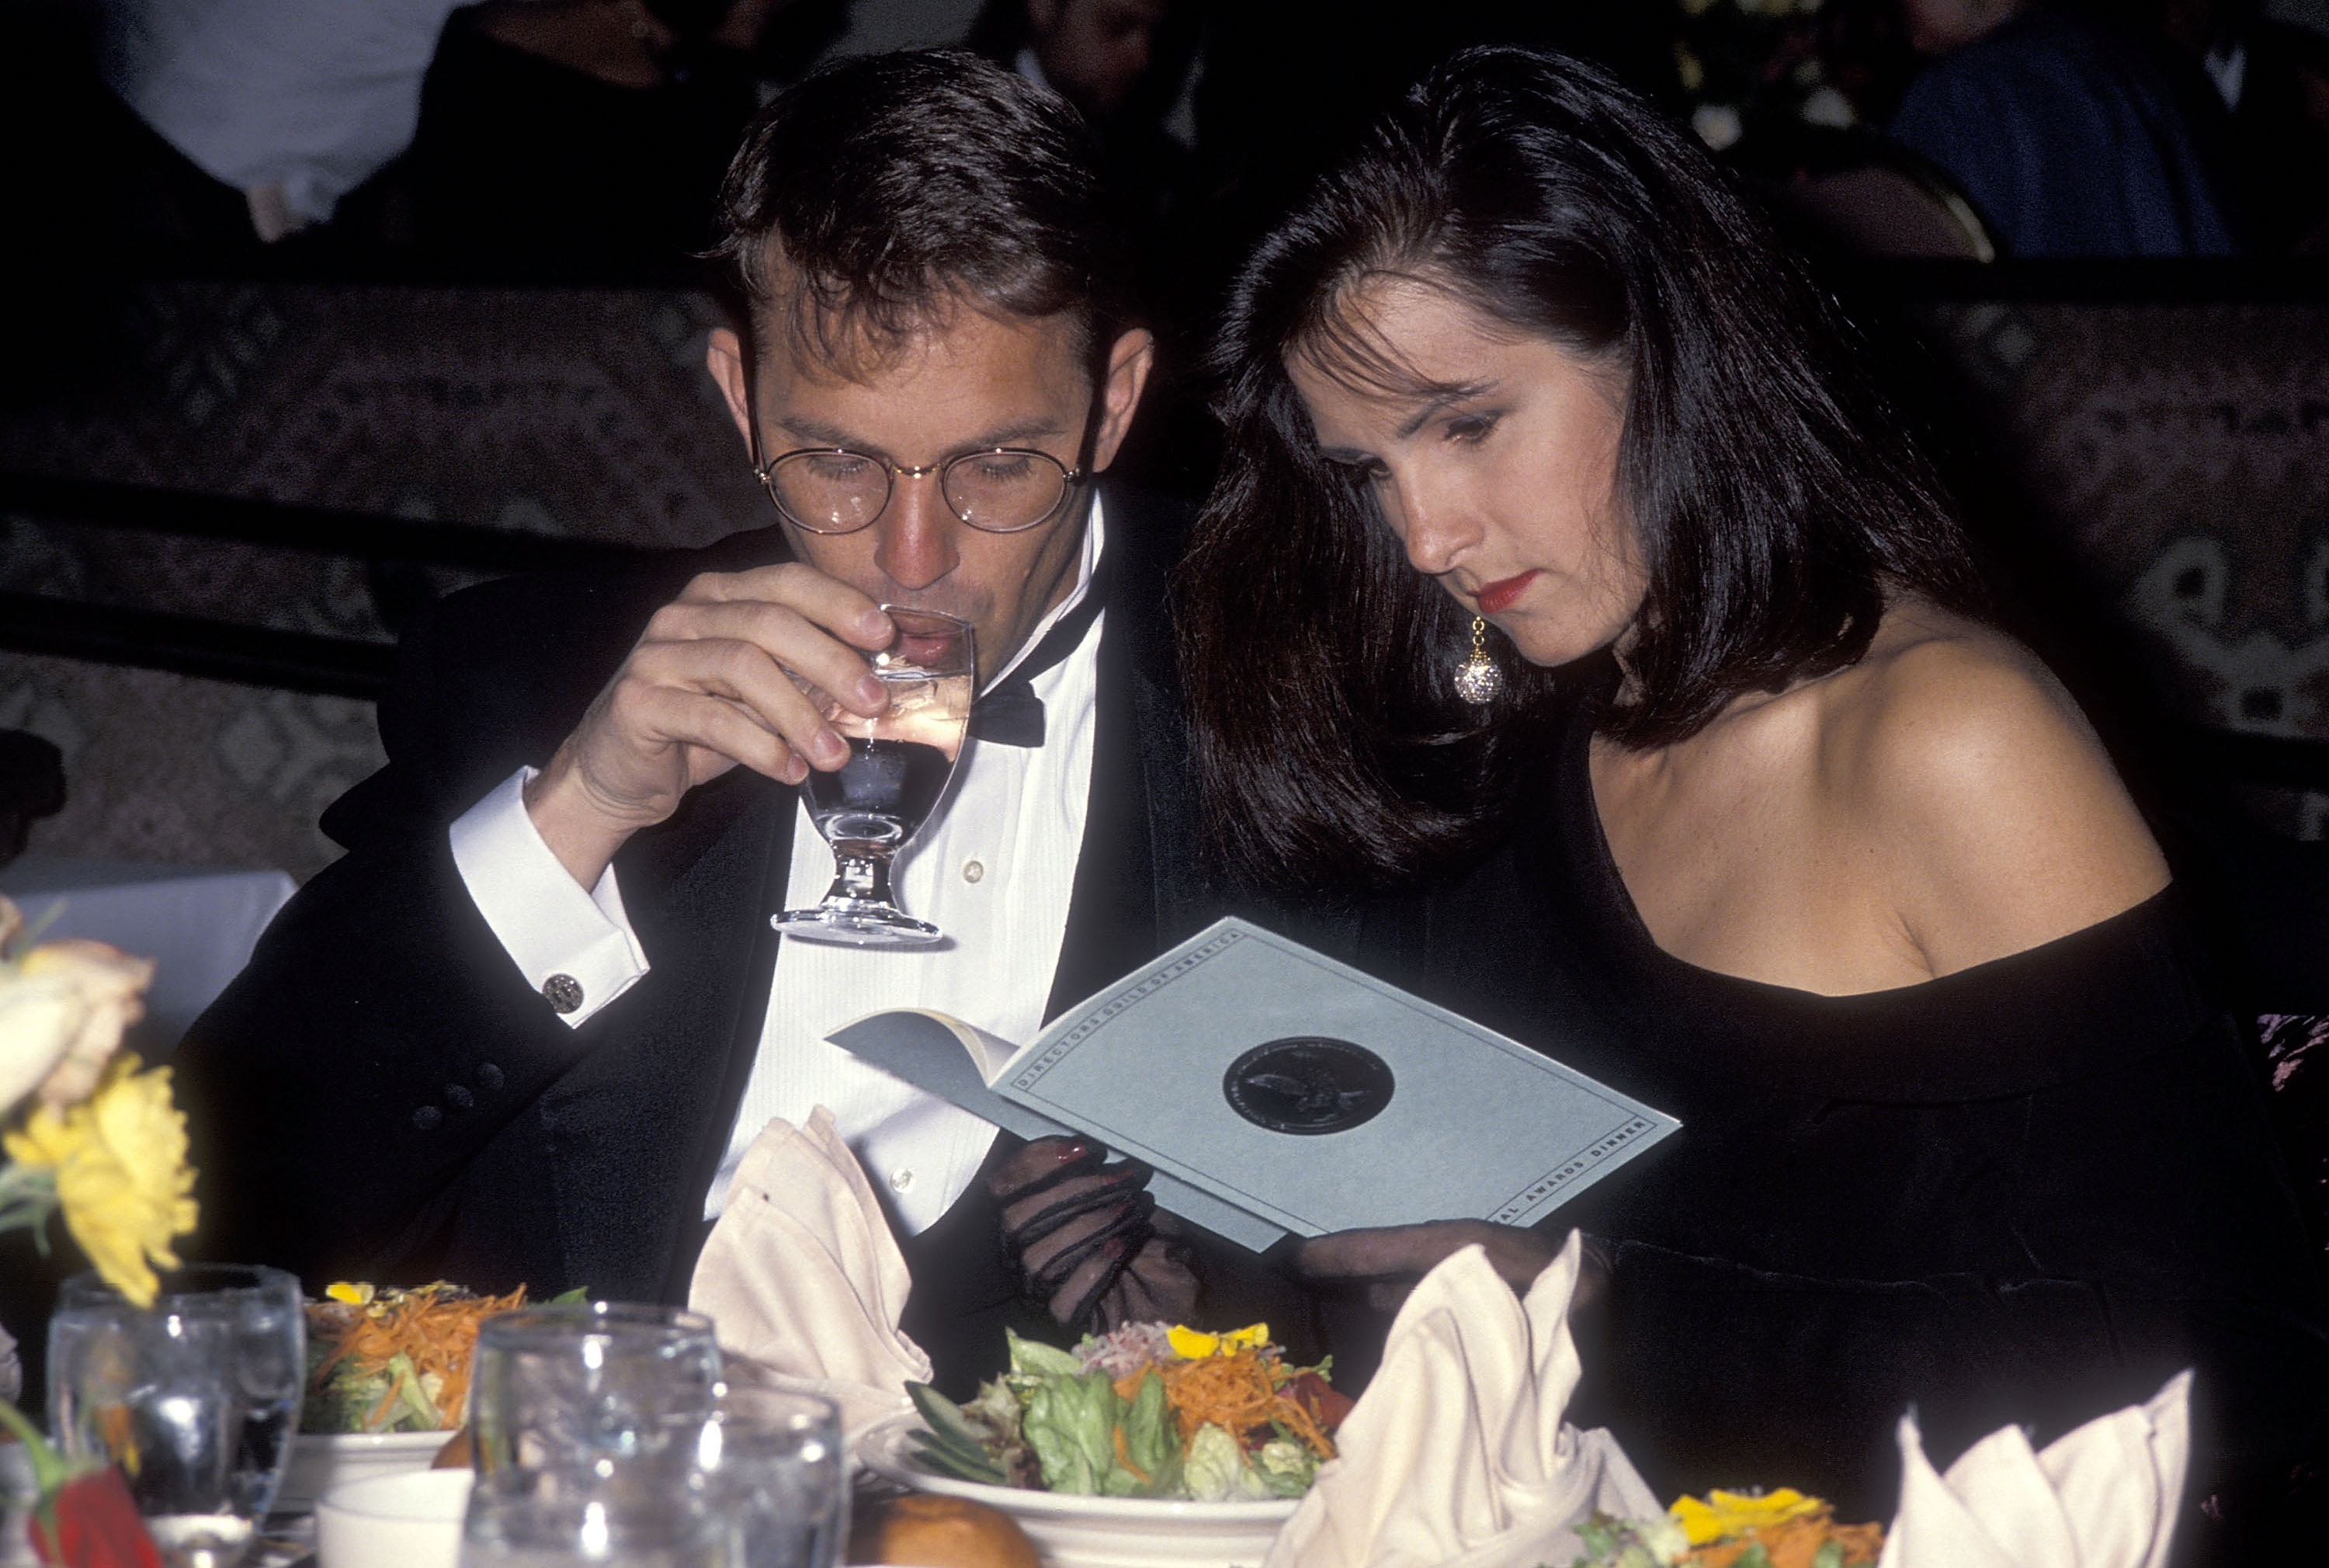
(1073, 1532)
(321, 1461)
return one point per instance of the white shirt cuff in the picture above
(576, 948)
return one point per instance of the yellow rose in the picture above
(119, 1163)
(39, 1020)
(111, 986)
(63, 1005)
(1726, 1515)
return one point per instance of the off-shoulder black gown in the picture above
(2030, 1191)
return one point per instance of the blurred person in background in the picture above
(2268, 61)
(2074, 135)
(264, 113)
(578, 136)
(587, 137)
(1098, 55)
(1124, 63)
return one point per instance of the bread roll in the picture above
(933, 1532)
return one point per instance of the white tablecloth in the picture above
(197, 922)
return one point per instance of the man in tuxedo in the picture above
(525, 1028)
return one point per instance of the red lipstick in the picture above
(1499, 595)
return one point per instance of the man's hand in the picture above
(1388, 1261)
(741, 668)
(1086, 1239)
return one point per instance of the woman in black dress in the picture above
(1571, 602)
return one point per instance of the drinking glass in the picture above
(195, 1398)
(779, 1477)
(590, 1420)
(897, 768)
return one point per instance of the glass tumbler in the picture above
(589, 1420)
(195, 1398)
(779, 1477)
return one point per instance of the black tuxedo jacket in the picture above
(381, 1096)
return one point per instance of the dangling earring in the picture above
(1477, 678)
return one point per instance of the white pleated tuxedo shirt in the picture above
(994, 871)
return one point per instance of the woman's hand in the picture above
(1086, 1239)
(1388, 1261)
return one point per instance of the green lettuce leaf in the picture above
(1214, 1466)
(1152, 1439)
(414, 1410)
(1071, 1423)
(1285, 1467)
(1034, 1358)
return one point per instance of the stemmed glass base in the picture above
(858, 911)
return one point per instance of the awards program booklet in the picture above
(1275, 1090)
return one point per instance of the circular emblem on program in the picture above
(1308, 1084)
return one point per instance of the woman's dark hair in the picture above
(1775, 500)
(882, 190)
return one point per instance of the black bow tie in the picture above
(1009, 713)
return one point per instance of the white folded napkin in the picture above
(802, 1279)
(1456, 1454)
(2102, 1497)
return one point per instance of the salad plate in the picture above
(1090, 1532)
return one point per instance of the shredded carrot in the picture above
(1793, 1544)
(436, 1327)
(1236, 1392)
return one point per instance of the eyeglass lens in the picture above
(842, 491)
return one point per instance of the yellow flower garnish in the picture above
(358, 1295)
(119, 1161)
(1724, 1515)
(1191, 1345)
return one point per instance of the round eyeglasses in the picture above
(1003, 490)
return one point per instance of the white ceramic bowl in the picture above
(319, 1463)
(1072, 1532)
(409, 1521)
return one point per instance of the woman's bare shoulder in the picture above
(1975, 780)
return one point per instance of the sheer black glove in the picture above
(1085, 1238)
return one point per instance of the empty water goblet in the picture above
(194, 1398)
(779, 1477)
(589, 1419)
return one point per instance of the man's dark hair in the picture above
(1773, 499)
(880, 193)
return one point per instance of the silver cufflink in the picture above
(563, 992)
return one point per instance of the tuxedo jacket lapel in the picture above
(1137, 887)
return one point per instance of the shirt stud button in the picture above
(563, 992)
(972, 871)
(901, 1180)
